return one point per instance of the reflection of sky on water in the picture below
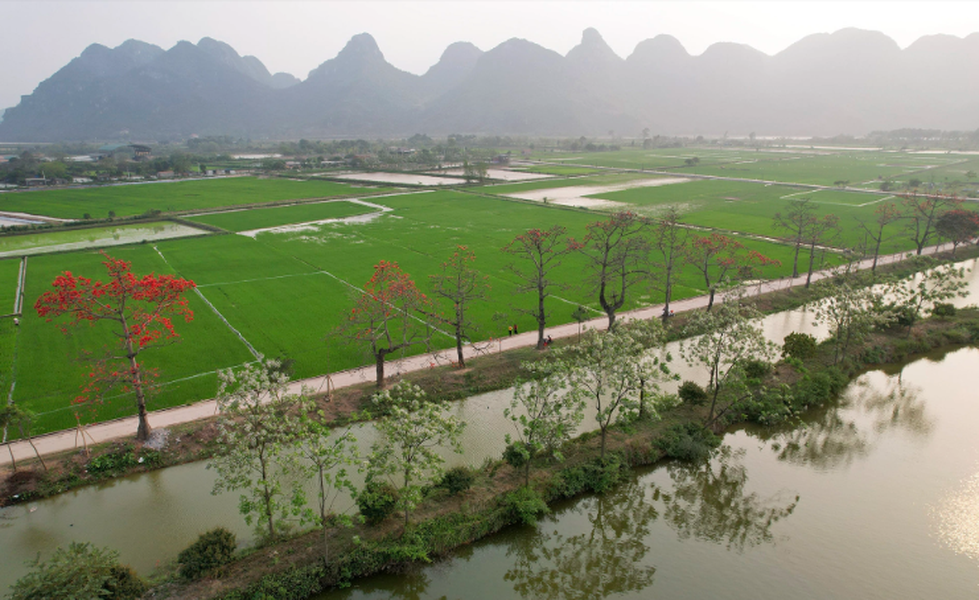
(957, 518)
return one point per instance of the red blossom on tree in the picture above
(387, 315)
(141, 307)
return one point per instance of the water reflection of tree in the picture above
(709, 502)
(606, 560)
(838, 436)
(411, 585)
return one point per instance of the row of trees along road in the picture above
(927, 219)
(392, 314)
(624, 252)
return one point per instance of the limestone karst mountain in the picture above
(851, 81)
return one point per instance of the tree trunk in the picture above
(143, 430)
(541, 319)
(13, 461)
(462, 360)
(795, 259)
(379, 368)
(873, 268)
(642, 398)
(326, 543)
(812, 262)
(267, 497)
(601, 456)
(30, 440)
(710, 301)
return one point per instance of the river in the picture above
(150, 517)
(877, 497)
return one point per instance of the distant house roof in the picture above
(112, 147)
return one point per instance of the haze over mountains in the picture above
(850, 82)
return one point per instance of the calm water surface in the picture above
(877, 498)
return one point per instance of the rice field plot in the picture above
(177, 196)
(855, 168)
(949, 174)
(419, 234)
(638, 159)
(60, 240)
(750, 207)
(9, 273)
(559, 170)
(257, 218)
(8, 345)
(49, 372)
(597, 180)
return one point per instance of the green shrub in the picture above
(125, 584)
(594, 476)
(818, 388)
(687, 441)
(943, 310)
(120, 460)
(457, 479)
(525, 505)
(691, 393)
(295, 584)
(376, 501)
(973, 328)
(79, 572)
(516, 455)
(111, 462)
(757, 369)
(874, 355)
(212, 549)
(957, 335)
(799, 345)
(768, 406)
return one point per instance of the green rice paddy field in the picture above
(128, 200)
(9, 271)
(259, 218)
(286, 292)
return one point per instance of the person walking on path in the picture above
(510, 330)
(515, 330)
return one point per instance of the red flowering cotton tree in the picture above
(388, 315)
(140, 309)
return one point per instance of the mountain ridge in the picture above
(850, 81)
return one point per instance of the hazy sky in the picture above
(37, 37)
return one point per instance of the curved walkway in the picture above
(61, 441)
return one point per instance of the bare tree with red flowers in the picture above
(141, 310)
(389, 316)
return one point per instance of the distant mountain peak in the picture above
(361, 46)
(593, 50)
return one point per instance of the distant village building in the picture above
(36, 181)
(124, 151)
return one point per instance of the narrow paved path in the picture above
(126, 427)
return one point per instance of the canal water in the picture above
(873, 489)
(876, 498)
